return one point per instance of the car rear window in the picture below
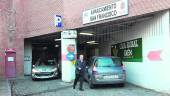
(108, 62)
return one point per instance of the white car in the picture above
(45, 70)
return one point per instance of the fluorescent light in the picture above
(89, 34)
(56, 45)
(92, 42)
(57, 39)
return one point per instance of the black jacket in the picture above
(81, 65)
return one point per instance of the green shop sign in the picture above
(129, 51)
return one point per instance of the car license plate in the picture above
(111, 77)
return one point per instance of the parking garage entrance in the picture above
(45, 49)
(96, 40)
(91, 41)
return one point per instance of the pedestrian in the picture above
(80, 71)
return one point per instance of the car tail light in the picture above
(94, 71)
(123, 66)
(124, 71)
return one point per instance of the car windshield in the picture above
(45, 62)
(108, 62)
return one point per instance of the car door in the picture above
(91, 67)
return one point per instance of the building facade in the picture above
(146, 19)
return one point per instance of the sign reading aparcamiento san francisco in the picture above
(129, 51)
(115, 9)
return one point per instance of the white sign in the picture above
(69, 34)
(116, 9)
(10, 59)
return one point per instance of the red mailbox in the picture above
(10, 63)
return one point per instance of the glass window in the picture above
(107, 62)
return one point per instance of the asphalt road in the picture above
(55, 87)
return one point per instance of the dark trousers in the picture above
(79, 77)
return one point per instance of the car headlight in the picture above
(34, 71)
(54, 69)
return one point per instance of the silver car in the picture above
(105, 70)
(45, 70)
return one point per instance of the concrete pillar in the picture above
(68, 53)
(27, 58)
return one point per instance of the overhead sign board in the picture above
(68, 34)
(116, 9)
(129, 51)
